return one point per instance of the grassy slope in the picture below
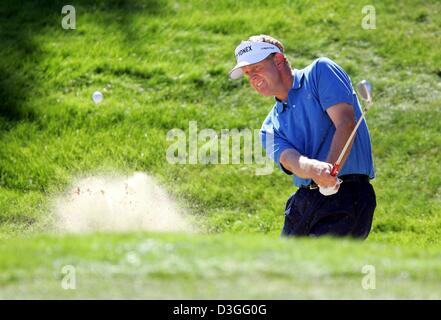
(162, 64)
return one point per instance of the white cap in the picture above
(249, 53)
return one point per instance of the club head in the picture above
(365, 90)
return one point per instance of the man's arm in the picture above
(306, 168)
(342, 115)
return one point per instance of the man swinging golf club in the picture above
(310, 132)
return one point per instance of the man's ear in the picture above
(279, 59)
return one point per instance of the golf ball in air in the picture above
(97, 97)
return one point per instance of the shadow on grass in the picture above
(21, 21)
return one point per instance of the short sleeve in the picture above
(274, 144)
(333, 84)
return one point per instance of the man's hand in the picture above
(306, 168)
(320, 172)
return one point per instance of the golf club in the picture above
(364, 89)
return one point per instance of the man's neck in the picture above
(287, 83)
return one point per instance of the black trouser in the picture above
(349, 212)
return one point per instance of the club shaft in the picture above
(340, 157)
(364, 89)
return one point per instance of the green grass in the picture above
(171, 266)
(161, 64)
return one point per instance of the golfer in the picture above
(315, 111)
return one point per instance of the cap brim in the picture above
(237, 72)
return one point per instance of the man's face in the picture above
(263, 76)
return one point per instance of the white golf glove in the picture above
(329, 191)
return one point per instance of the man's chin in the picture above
(264, 93)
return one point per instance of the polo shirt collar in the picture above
(297, 83)
(298, 76)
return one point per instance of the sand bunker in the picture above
(111, 203)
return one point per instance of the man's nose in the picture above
(253, 77)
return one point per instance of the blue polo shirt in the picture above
(302, 123)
